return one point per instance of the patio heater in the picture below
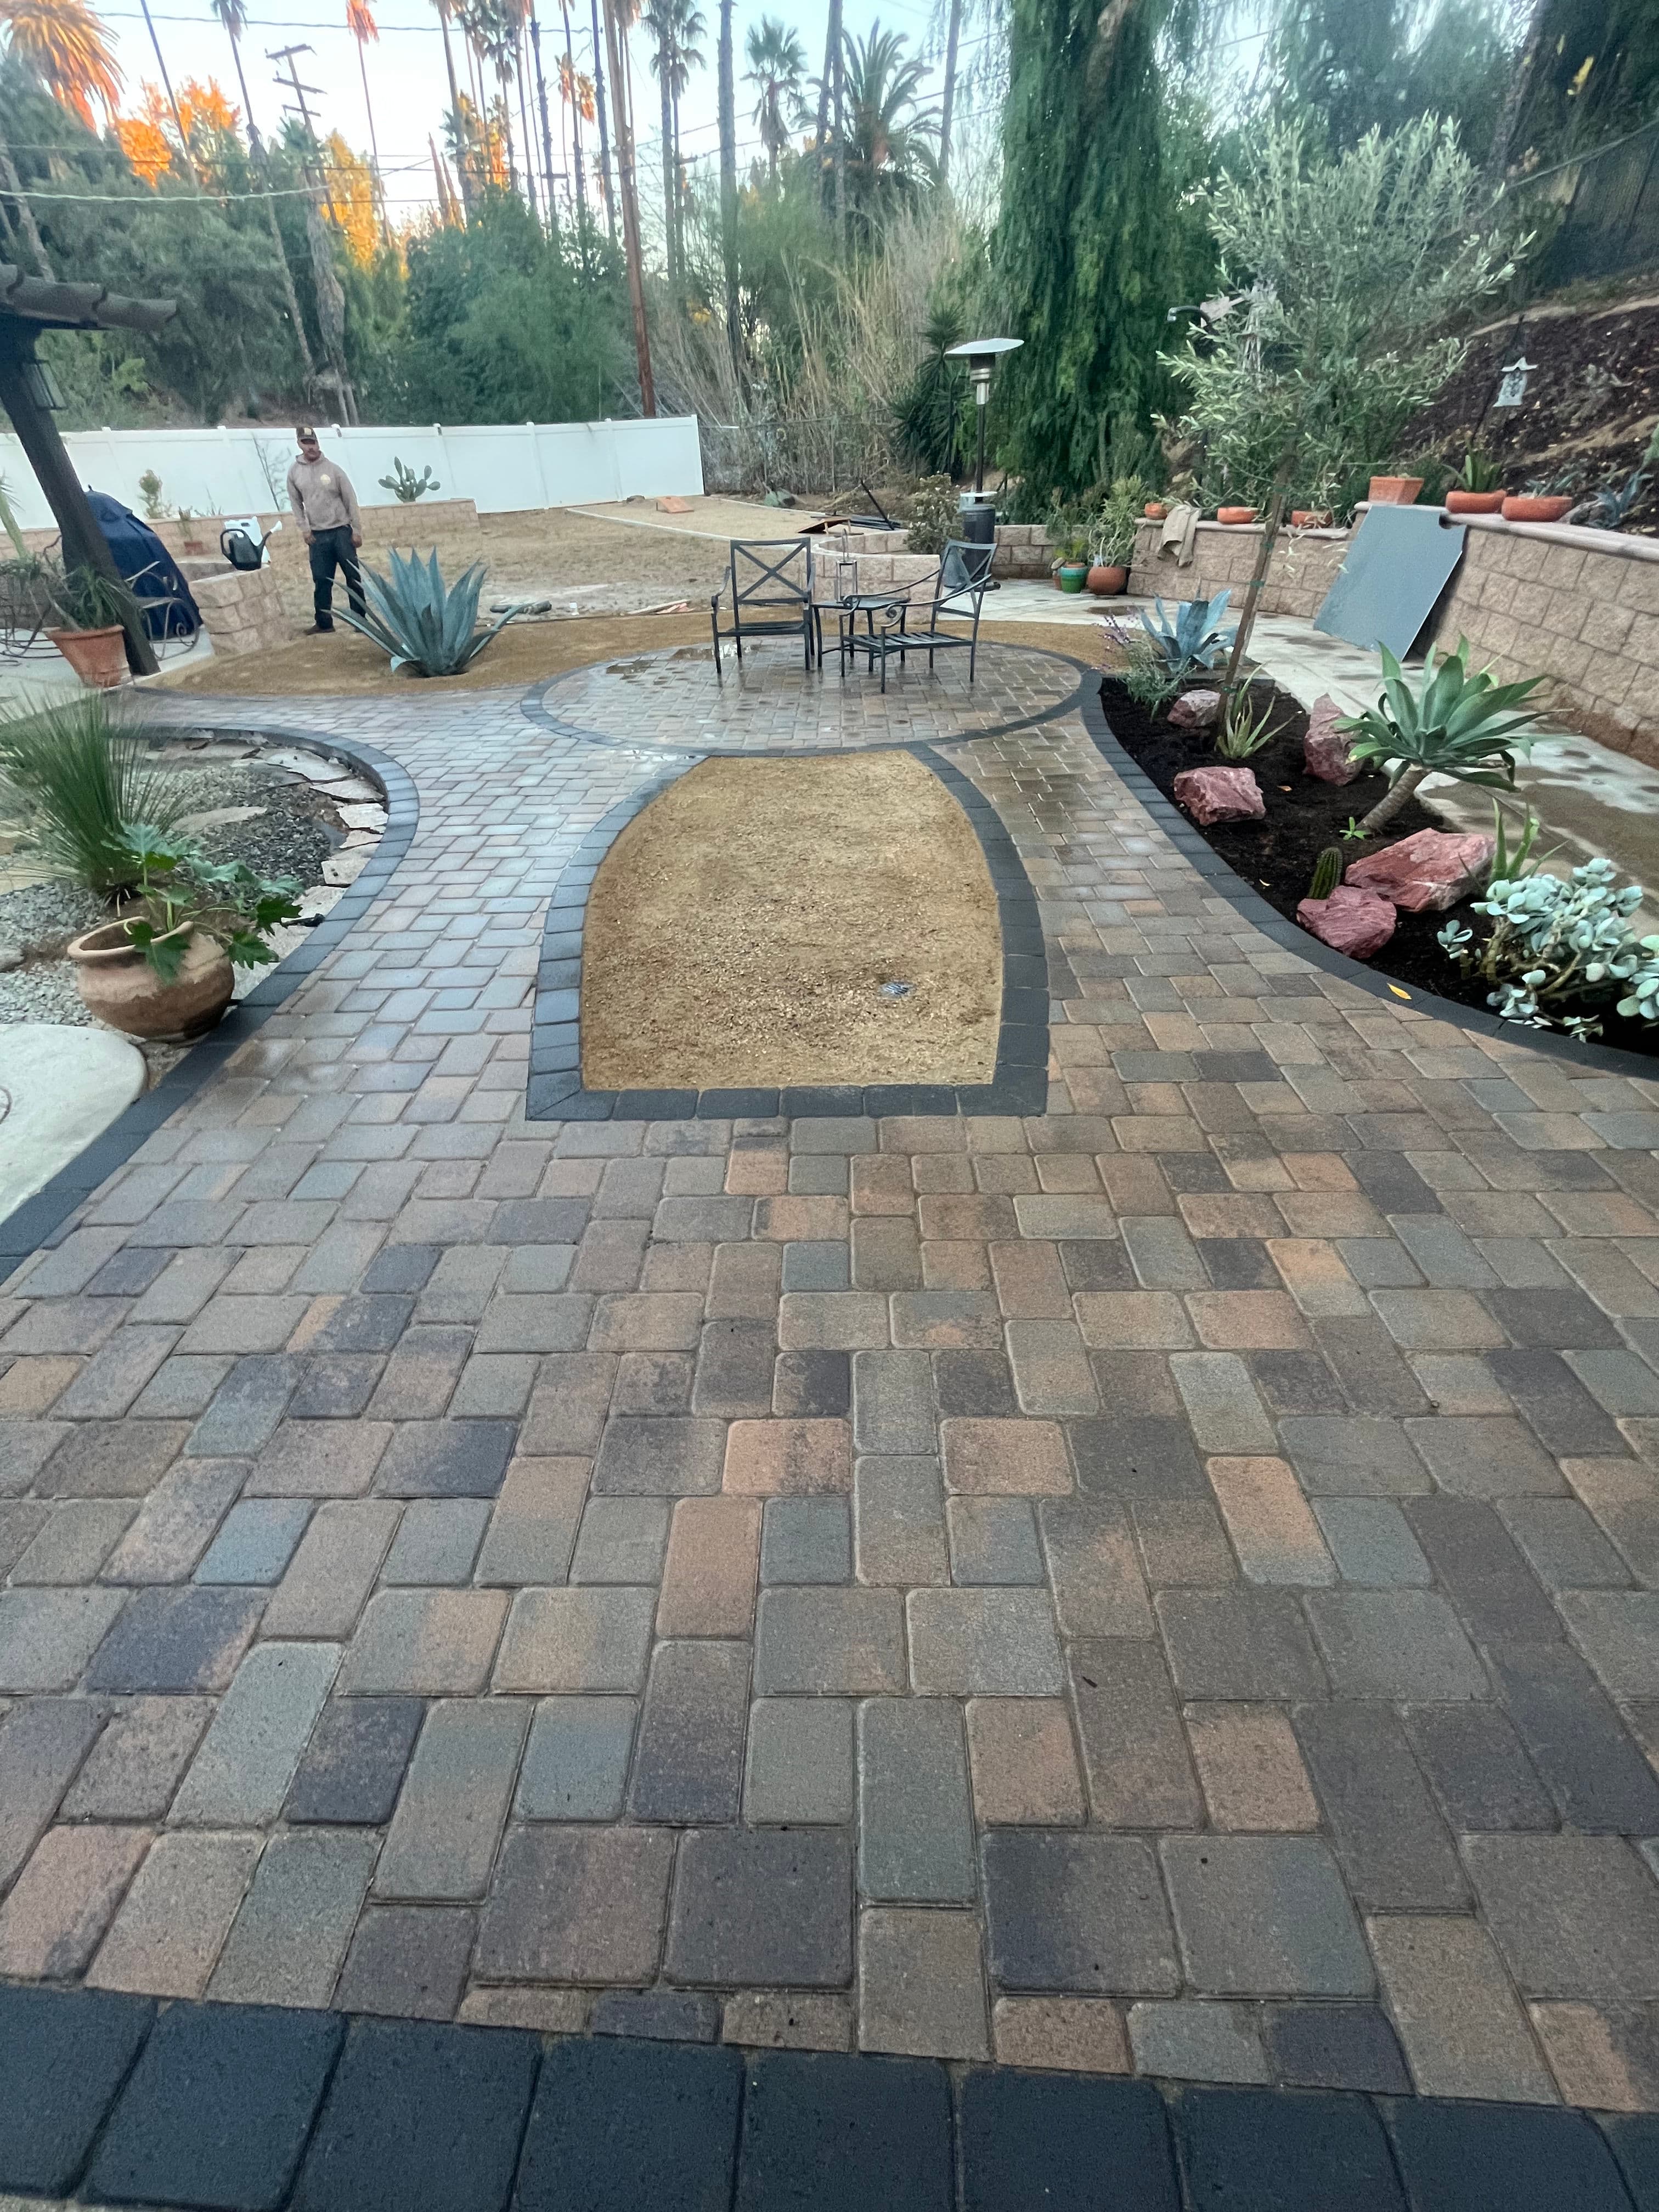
(979, 518)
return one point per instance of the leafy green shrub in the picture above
(1112, 526)
(1195, 639)
(174, 882)
(1553, 943)
(422, 622)
(1145, 674)
(1449, 723)
(934, 512)
(72, 776)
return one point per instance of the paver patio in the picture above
(1164, 1584)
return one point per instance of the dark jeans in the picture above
(332, 549)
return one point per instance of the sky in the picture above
(406, 72)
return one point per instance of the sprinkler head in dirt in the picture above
(897, 990)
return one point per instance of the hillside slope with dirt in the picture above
(1591, 404)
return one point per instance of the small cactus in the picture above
(1327, 872)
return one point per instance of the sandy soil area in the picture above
(741, 929)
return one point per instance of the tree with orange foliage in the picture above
(354, 199)
(63, 43)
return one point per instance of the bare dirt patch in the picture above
(741, 927)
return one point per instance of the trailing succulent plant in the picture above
(1327, 872)
(1552, 943)
(423, 622)
(1195, 640)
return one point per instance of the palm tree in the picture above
(777, 67)
(65, 46)
(728, 122)
(360, 22)
(678, 27)
(443, 9)
(953, 37)
(889, 151)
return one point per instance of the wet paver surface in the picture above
(1163, 1584)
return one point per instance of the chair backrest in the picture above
(964, 570)
(765, 571)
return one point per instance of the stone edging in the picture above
(534, 706)
(555, 1091)
(246, 2108)
(1204, 860)
(37, 1218)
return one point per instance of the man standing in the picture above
(325, 508)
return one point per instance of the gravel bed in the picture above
(292, 837)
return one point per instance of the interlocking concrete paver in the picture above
(477, 1365)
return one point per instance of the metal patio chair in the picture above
(770, 591)
(897, 623)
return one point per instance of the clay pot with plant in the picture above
(92, 610)
(1111, 535)
(1546, 499)
(165, 967)
(1478, 487)
(1394, 491)
(1235, 518)
(1070, 561)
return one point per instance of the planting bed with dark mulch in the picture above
(1276, 855)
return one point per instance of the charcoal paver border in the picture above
(808, 2127)
(1019, 1084)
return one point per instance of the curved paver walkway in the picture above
(1163, 1584)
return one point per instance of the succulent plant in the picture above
(1195, 639)
(1448, 723)
(422, 622)
(1327, 872)
(1552, 942)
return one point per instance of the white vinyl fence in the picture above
(499, 466)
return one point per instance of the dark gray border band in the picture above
(1206, 861)
(36, 1221)
(1019, 1084)
(534, 706)
(246, 2108)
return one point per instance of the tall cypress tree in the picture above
(1095, 244)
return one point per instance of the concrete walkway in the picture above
(1166, 1584)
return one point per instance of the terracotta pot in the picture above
(1394, 491)
(1155, 510)
(1475, 502)
(99, 657)
(1104, 581)
(1311, 518)
(1233, 516)
(1536, 506)
(118, 985)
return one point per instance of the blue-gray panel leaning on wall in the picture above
(1398, 563)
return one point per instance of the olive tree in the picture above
(1344, 278)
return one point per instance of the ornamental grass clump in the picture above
(1554, 945)
(72, 775)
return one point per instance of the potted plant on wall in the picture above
(1394, 491)
(1546, 499)
(166, 968)
(92, 610)
(1478, 487)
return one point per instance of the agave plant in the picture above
(1449, 723)
(422, 622)
(1195, 640)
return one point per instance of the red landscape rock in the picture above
(1195, 710)
(1358, 923)
(1325, 748)
(1426, 873)
(1219, 794)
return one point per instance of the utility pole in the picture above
(605, 142)
(178, 119)
(547, 128)
(330, 300)
(729, 187)
(630, 209)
